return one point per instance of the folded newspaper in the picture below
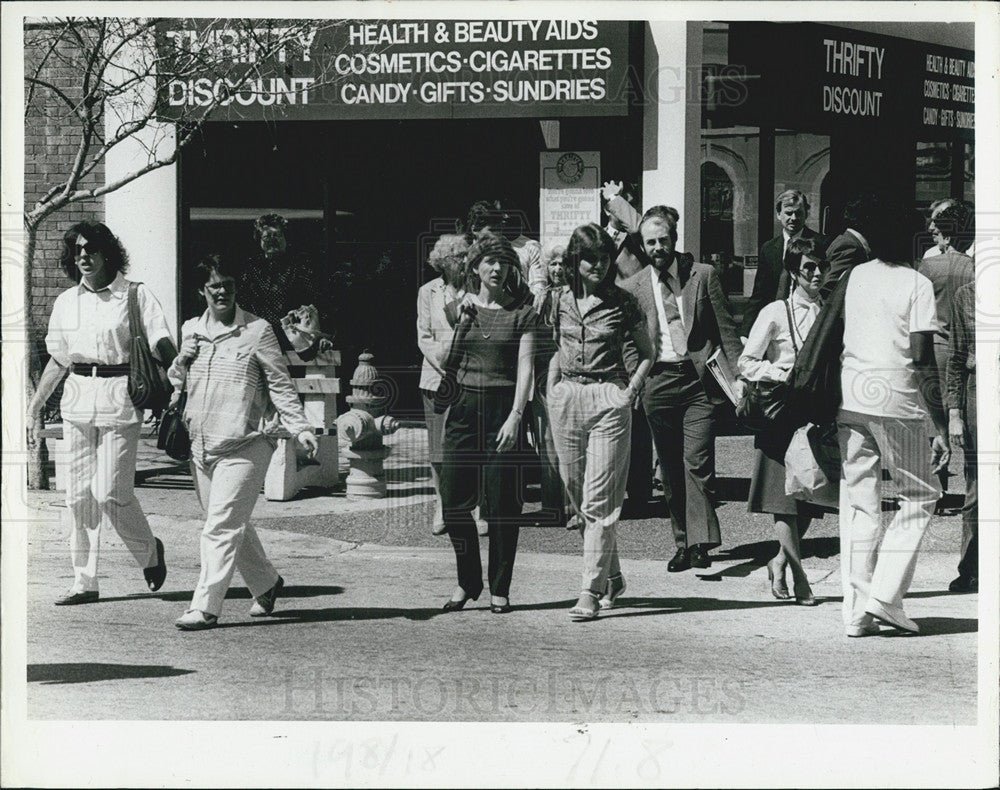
(722, 375)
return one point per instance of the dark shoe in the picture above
(264, 604)
(804, 595)
(196, 620)
(454, 606)
(680, 562)
(964, 584)
(500, 608)
(72, 598)
(779, 589)
(156, 575)
(699, 557)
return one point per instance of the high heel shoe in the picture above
(500, 608)
(804, 595)
(779, 589)
(616, 586)
(453, 606)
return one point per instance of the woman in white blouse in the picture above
(89, 343)
(769, 355)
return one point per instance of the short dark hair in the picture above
(268, 221)
(800, 248)
(107, 243)
(215, 262)
(867, 214)
(486, 214)
(589, 242)
(957, 223)
(666, 214)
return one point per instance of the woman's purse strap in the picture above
(791, 325)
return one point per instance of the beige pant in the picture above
(873, 564)
(592, 429)
(99, 491)
(228, 490)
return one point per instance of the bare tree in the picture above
(116, 94)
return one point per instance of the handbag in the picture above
(762, 404)
(812, 465)
(173, 437)
(148, 386)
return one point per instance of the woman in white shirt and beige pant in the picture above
(89, 341)
(769, 355)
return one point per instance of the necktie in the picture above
(675, 327)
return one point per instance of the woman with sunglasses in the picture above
(237, 385)
(89, 341)
(480, 445)
(590, 398)
(769, 355)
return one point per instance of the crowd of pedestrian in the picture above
(577, 358)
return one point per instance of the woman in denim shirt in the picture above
(590, 404)
(237, 385)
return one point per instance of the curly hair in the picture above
(453, 246)
(268, 221)
(106, 243)
(589, 243)
(957, 223)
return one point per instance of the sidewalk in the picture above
(359, 634)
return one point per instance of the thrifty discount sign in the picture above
(344, 69)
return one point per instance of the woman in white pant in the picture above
(590, 404)
(89, 341)
(236, 379)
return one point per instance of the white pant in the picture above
(228, 490)
(592, 431)
(870, 569)
(100, 489)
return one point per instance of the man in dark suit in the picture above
(688, 319)
(864, 218)
(771, 281)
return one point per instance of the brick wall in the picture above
(51, 136)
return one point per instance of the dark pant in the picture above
(680, 418)
(474, 473)
(640, 471)
(969, 564)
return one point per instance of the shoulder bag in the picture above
(173, 437)
(762, 403)
(148, 386)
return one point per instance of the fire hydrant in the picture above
(364, 426)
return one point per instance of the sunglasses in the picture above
(87, 248)
(809, 267)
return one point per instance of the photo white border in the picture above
(287, 754)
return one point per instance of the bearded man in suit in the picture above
(771, 282)
(688, 319)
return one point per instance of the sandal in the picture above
(581, 614)
(616, 586)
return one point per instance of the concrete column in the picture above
(143, 213)
(672, 125)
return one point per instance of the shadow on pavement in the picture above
(54, 674)
(937, 626)
(653, 606)
(290, 591)
(332, 614)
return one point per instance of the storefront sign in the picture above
(371, 69)
(570, 192)
(827, 79)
